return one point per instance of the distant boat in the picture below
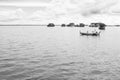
(90, 34)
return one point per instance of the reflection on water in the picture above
(41, 53)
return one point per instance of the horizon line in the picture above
(45, 25)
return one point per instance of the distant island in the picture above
(63, 25)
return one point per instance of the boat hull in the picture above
(90, 34)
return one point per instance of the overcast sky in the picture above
(56, 8)
(7, 1)
(85, 6)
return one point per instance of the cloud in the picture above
(24, 4)
(65, 11)
(40, 15)
(25, 0)
(99, 7)
(83, 7)
(11, 15)
(77, 11)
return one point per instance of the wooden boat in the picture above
(90, 34)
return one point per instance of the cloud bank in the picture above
(71, 10)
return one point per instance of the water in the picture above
(41, 53)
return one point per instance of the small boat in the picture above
(90, 34)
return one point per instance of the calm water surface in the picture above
(41, 53)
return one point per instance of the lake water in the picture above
(41, 53)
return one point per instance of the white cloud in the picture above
(39, 15)
(24, 4)
(68, 10)
(87, 8)
(11, 15)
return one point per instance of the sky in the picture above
(60, 11)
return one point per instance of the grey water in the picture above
(42, 53)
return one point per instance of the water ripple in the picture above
(40, 53)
